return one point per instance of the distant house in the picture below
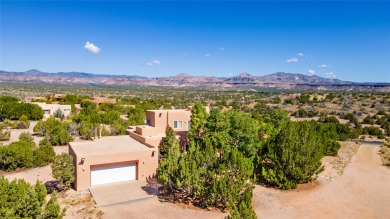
(30, 99)
(58, 97)
(50, 109)
(100, 100)
(157, 123)
(112, 159)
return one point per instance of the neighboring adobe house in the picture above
(30, 99)
(99, 100)
(157, 123)
(50, 109)
(112, 159)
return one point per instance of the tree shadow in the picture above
(52, 186)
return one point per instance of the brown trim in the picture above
(113, 164)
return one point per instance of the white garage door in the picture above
(114, 173)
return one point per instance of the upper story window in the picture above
(189, 125)
(177, 124)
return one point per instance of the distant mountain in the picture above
(244, 80)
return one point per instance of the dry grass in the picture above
(385, 153)
(334, 165)
(79, 205)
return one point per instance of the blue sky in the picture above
(349, 40)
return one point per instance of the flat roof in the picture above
(107, 145)
(170, 110)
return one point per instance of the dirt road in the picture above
(362, 191)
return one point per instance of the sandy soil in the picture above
(362, 191)
(153, 208)
(16, 132)
(31, 175)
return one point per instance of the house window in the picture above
(177, 124)
(189, 125)
(47, 112)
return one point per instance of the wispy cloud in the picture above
(153, 62)
(207, 55)
(91, 48)
(300, 54)
(293, 59)
(311, 71)
(324, 66)
(330, 75)
(222, 48)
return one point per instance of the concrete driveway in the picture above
(122, 192)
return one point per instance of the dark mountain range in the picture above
(244, 80)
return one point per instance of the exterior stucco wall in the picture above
(147, 163)
(159, 120)
(184, 116)
(154, 141)
(51, 108)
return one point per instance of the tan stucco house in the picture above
(112, 159)
(100, 100)
(50, 109)
(157, 123)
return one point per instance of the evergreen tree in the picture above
(52, 209)
(244, 133)
(198, 121)
(242, 209)
(63, 170)
(58, 113)
(18, 199)
(41, 191)
(169, 166)
(168, 142)
(45, 153)
(293, 157)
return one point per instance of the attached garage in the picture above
(112, 159)
(103, 174)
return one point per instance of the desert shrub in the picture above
(55, 130)
(381, 112)
(8, 99)
(41, 192)
(14, 110)
(52, 209)
(372, 130)
(385, 153)
(136, 116)
(27, 204)
(242, 208)
(26, 136)
(369, 120)
(118, 128)
(45, 153)
(25, 154)
(29, 200)
(5, 135)
(87, 130)
(58, 113)
(302, 113)
(17, 154)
